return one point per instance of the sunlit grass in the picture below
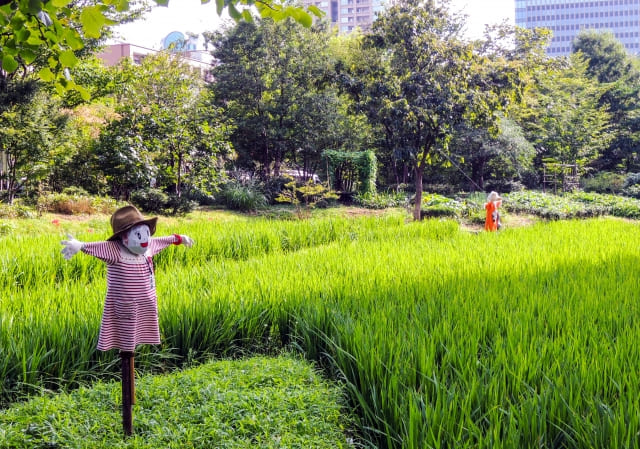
(523, 338)
(256, 402)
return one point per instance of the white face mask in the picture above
(136, 239)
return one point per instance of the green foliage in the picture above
(272, 80)
(571, 205)
(74, 202)
(50, 34)
(150, 200)
(415, 352)
(32, 131)
(254, 402)
(424, 80)
(381, 200)
(352, 170)
(604, 182)
(164, 124)
(242, 196)
(305, 196)
(563, 116)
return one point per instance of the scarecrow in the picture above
(130, 315)
(492, 220)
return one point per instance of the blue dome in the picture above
(175, 38)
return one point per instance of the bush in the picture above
(273, 187)
(150, 200)
(381, 200)
(237, 195)
(179, 205)
(75, 203)
(16, 210)
(604, 182)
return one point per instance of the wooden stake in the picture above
(128, 380)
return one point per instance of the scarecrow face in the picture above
(136, 239)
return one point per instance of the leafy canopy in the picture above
(57, 29)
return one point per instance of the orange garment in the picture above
(492, 219)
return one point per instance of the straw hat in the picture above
(493, 196)
(126, 218)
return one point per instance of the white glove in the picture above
(71, 247)
(187, 241)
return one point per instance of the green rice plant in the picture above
(442, 338)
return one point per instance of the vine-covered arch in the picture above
(352, 171)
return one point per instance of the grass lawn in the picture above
(252, 403)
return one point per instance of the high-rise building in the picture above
(566, 19)
(348, 15)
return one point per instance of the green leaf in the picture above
(73, 39)
(162, 2)
(92, 21)
(46, 74)
(34, 6)
(68, 59)
(84, 93)
(9, 64)
(60, 3)
(122, 5)
(300, 16)
(246, 15)
(315, 11)
(219, 6)
(23, 34)
(233, 12)
(28, 55)
(34, 39)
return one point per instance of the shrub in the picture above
(604, 182)
(62, 203)
(241, 196)
(179, 205)
(150, 200)
(15, 210)
(381, 200)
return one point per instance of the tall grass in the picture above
(524, 338)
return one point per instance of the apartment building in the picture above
(566, 19)
(348, 15)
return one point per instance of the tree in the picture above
(48, 37)
(272, 79)
(427, 81)
(55, 30)
(493, 162)
(609, 64)
(563, 117)
(165, 133)
(30, 132)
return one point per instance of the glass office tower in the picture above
(566, 19)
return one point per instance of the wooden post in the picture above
(128, 381)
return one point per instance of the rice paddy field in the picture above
(441, 338)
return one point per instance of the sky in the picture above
(191, 16)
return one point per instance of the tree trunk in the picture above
(179, 176)
(418, 198)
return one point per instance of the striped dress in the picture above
(130, 315)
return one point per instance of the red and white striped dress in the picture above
(130, 315)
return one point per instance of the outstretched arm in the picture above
(71, 247)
